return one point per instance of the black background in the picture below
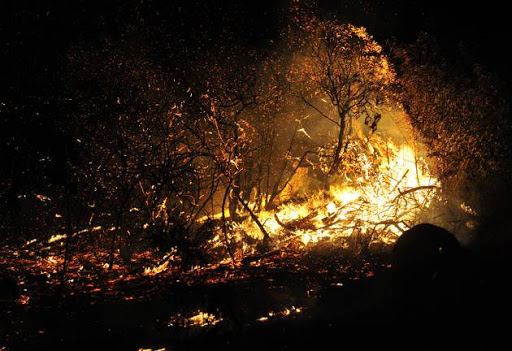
(35, 36)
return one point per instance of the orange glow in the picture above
(384, 189)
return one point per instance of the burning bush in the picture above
(232, 151)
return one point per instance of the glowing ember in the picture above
(164, 266)
(56, 237)
(287, 312)
(157, 269)
(23, 300)
(200, 319)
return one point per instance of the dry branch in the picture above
(408, 191)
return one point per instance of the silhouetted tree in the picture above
(342, 74)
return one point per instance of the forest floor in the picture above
(276, 303)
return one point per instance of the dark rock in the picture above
(426, 252)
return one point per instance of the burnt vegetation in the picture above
(249, 168)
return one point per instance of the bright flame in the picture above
(381, 193)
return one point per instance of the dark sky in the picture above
(34, 35)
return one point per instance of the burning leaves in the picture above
(199, 319)
(39, 275)
(170, 258)
(286, 312)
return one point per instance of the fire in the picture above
(286, 312)
(164, 266)
(56, 237)
(380, 192)
(23, 299)
(200, 319)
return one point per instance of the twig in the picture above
(408, 191)
(401, 179)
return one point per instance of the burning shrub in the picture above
(342, 75)
(248, 151)
(382, 191)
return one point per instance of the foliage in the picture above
(461, 112)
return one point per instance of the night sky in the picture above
(34, 37)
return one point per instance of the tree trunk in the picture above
(339, 147)
(234, 194)
(224, 225)
(266, 237)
